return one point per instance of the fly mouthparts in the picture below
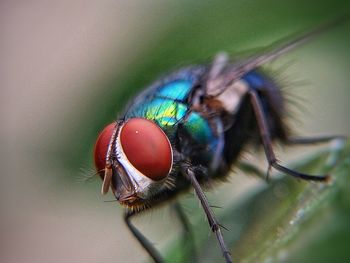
(107, 179)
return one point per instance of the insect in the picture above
(187, 130)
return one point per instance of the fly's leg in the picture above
(254, 170)
(213, 223)
(145, 243)
(187, 232)
(337, 143)
(266, 141)
(314, 140)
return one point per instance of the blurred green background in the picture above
(69, 67)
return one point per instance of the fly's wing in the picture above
(217, 84)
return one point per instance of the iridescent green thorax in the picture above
(167, 106)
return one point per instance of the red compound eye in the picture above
(101, 148)
(147, 148)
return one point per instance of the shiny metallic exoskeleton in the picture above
(188, 129)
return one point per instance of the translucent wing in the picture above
(217, 84)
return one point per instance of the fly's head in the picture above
(134, 158)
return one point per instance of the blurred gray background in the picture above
(66, 69)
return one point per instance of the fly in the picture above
(189, 128)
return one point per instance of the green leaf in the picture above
(287, 221)
(260, 224)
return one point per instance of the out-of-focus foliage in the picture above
(287, 220)
(194, 33)
(69, 67)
